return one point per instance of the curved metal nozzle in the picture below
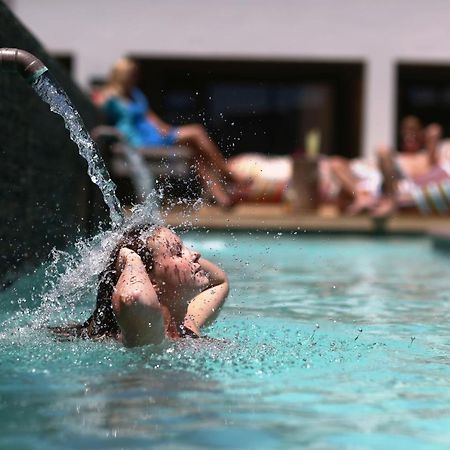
(23, 62)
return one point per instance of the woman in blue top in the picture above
(128, 110)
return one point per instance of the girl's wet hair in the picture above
(102, 323)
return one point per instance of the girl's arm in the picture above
(135, 303)
(205, 307)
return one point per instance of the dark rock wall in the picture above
(45, 196)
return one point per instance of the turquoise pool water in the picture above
(325, 343)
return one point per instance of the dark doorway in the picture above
(424, 91)
(260, 106)
(65, 60)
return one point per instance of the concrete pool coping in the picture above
(281, 218)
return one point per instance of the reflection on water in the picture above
(324, 343)
(143, 402)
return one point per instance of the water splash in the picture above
(59, 102)
(72, 276)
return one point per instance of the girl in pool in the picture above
(153, 287)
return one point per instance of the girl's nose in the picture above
(196, 256)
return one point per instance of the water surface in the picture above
(324, 343)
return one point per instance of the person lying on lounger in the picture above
(153, 287)
(400, 175)
(410, 178)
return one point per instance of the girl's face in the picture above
(176, 267)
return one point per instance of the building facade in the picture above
(385, 42)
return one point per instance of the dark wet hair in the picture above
(102, 323)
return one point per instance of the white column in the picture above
(380, 97)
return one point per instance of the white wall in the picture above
(378, 32)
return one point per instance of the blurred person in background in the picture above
(395, 177)
(413, 175)
(127, 109)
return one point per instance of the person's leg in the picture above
(340, 168)
(387, 204)
(386, 163)
(212, 166)
(212, 185)
(196, 137)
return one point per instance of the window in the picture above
(256, 106)
(424, 91)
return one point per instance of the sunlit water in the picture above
(324, 343)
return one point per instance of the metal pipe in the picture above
(21, 61)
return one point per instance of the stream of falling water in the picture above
(49, 91)
(79, 271)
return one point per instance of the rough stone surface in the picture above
(46, 198)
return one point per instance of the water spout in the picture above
(35, 72)
(21, 61)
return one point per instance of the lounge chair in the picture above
(144, 167)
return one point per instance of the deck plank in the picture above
(281, 217)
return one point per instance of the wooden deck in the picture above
(282, 218)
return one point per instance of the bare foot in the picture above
(223, 200)
(385, 208)
(362, 203)
(219, 195)
(239, 193)
(233, 194)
